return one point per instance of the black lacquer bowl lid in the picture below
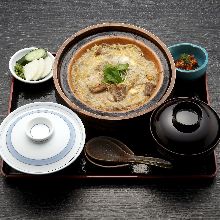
(185, 126)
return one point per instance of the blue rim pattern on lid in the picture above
(47, 161)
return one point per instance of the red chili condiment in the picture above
(186, 62)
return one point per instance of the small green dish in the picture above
(199, 53)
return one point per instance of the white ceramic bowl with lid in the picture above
(59, 143)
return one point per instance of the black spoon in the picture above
(112, 151)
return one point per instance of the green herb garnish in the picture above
(185, 57)
(19, 70)
(114, 74)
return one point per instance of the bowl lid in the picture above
(185, 126)
(41, 138)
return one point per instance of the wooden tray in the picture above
(136, 135)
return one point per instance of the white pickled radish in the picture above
(30, 70)
(40, 69)
(48, 63)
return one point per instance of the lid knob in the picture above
(39, 129)
(186, 116)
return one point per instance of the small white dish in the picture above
(39, 129)
(18, 55)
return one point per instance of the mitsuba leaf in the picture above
(115, 74)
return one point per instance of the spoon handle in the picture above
(150, 161)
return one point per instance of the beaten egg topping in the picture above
(88, 85)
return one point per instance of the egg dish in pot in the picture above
(115, 74)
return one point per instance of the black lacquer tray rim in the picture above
(62, 176)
